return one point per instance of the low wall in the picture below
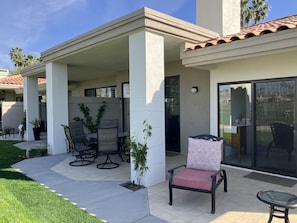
(12, 114)
(112, 111)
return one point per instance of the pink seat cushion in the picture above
(194, 178)
(204, 154)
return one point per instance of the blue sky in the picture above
(37, 25)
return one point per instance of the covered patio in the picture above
(141, 48)
(100, 192)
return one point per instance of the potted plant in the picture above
(36, 128)
(138, 152)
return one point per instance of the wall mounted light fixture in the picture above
(194, 89)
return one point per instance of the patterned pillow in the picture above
(204, 154)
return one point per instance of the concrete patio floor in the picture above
(100, 193)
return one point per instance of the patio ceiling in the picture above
(105, 50)
(109, 58)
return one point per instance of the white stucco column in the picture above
(146, 58)
(30, 104)
(57, 106)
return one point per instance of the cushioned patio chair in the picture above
(283, 138)
(84, 154)
(203, 172)
(108, 145)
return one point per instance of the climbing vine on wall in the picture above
(88, 120)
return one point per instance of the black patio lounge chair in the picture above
(108, 145)
(203, 172)
(84, 154)
(283, 138)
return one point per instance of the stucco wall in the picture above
(112, 108)
(102, 82)
(12, 114)
(194, 108)
(257, 68)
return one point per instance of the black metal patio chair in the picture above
(203, 172)
(283, 138)
(84, 154)
(108, 145)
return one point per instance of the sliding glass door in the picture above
(257, 121)
(275, 111)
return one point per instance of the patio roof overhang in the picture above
(273, 43)
(105, 50)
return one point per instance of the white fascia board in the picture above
(34, 70)
(283, 41)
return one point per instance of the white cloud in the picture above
(23, 22)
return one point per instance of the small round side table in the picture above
(278, 200)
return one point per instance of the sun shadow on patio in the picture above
(253, 217)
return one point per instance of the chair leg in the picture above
(268, 148)
(80, 160)
(120, 155)
(170, 194)
(108, 164)
(213, 202)
(225, 181)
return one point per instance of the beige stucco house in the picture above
(11, 101)
(184, 79)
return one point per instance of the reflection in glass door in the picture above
(274, 126)
(235, 123)
(172, 114)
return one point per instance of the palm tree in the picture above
(20, 60)
(246, 13)
(253, 10)
(31, 60)
(260, 9)
(17, 58)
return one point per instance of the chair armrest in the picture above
(171, 171)
(215, 181)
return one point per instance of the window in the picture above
(90, 92)
(103, 92)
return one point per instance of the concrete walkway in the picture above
(105, 199)
(100, 193)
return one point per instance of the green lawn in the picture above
(24, 200)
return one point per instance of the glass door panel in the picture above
(274, 126)
(235, 123)
(172, 114)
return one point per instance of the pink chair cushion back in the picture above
(204, 154)
(194, 178)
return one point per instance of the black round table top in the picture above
(277, 198)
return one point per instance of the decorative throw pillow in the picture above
(204, 154)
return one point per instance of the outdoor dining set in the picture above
(201, 173)
(86, 148)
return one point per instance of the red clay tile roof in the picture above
(17, 80)
(289, 22)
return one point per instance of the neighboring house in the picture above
(12, 86)
(11, 100)
(184, 79)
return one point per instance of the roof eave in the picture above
(37, 70)
(280, 42)
(144, 18)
